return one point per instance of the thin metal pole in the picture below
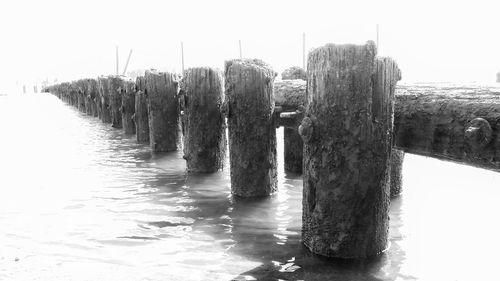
(304, 50)
(117, 62)
(239, 42)
(378, 46)
(128, 59)
(182, 55)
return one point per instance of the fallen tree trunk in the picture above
(457, 124)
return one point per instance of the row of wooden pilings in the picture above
(338, 132)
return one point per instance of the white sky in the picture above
(431, 40)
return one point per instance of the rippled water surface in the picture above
(80, 200)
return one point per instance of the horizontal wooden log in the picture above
(459, 124)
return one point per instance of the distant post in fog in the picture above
(117, 62)
(378, 46)
(182, 57)
(304, 51)
(239, 43)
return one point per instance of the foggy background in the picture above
(445, 41)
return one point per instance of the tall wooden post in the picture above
(163, 106)
(347, 149)
(141, 111)
(182, 57)
(304, 50)
(94, 94)
(204, 127)
(251, 127)
(117, 61)
(88, 100)
(397, 159)
(239, 45)
(116, 90)
(128, 107)
(103, 85)
(293, 145)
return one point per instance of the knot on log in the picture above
(479, 133)
(306, 129)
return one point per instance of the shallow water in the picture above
(80, 200)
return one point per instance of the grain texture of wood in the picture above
(103, 86)
(293, 73)
(128, 106)
(141, 116)
(163, 109)
(116, 86)
(347, 147)
(397, 159)
(251, 127)
(291, 96)
(459, 124)
(204, 126)
(93, 95)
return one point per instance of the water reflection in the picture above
(80, 200)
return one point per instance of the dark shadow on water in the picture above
(263, 230)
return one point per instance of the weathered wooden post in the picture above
(103, 85)
(93, 95)
(204, 127)
(251, 127)
(397, 159)
(128, 107)
(293, 145)
(73, 92)
(163, 107)
(116, 87)
(293, 73)
(347, 150)
(80, 95)
(141, 117)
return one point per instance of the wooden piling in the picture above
(93, 95)
(347, 148)
(128, 107)
(103, 85)
(251, 127)
(397, 159)
(116, 90)
(141, 117)
(161, 89)
(81, 95)
(293, 145)
(204, 126)
(293, 73)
